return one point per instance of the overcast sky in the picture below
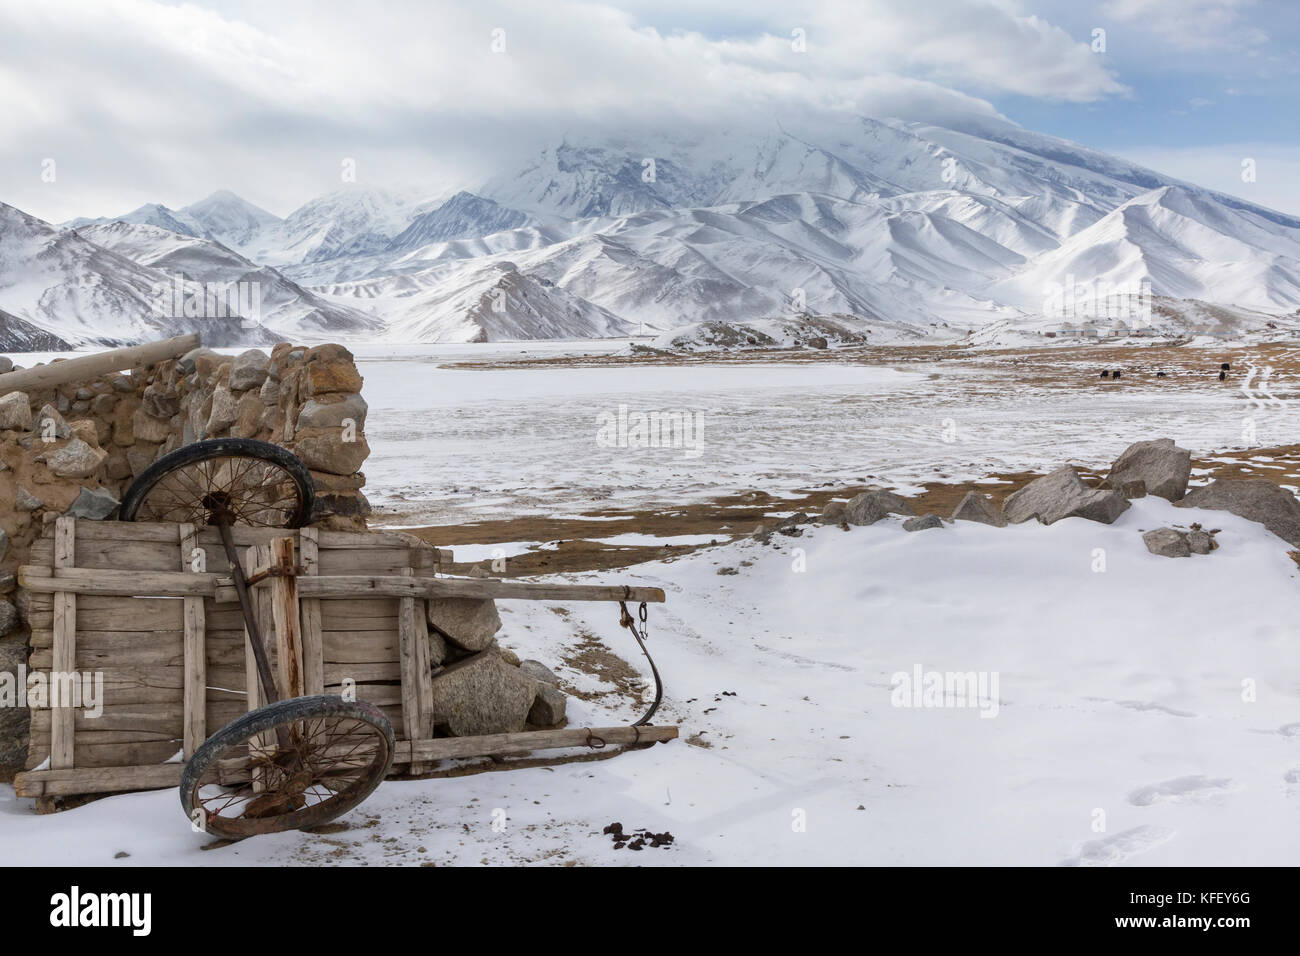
(141, 101)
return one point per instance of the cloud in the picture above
(139, 100)
(1276, 170)
(1191, 24)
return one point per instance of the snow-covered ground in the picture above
(1146, 713)
(452, 444)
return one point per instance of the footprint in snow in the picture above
(1148, 705)
(1178, 789)
(1113, 850)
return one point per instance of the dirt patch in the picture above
(731, 516)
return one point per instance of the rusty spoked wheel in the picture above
(224, 480)
(294, 764)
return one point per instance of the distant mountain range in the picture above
(932, 231)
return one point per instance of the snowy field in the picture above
(1143, 714)
(452, 444)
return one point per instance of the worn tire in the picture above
(265, 719)
(225, 448)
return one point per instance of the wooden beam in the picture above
(444, 748)
(285, 613)
(57, 783)
(121, 583)
(313, 641)
(409, 658)
(62, 730)
(101, 363)
(51, 783)
(195, 694)
(359, 586)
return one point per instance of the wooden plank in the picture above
(445, 748)
(89, 367)
(286, 613)
(64, 657)
(407, 641)
(120, 583)
(100, 613)
(345, 585)
(195, 697)
(55, 783)
(313, 647)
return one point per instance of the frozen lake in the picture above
(454, 444)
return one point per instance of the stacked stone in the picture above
(480, 687)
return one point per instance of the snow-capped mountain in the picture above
(67, 286)
(944, 230)
(463, 216)
(283, 306)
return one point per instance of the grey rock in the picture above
(468, 623)
(85, 394)
(833, 513)
(51, 424)
(1062, 494)
(188, 361)
(24, 500)
(981, 508)
(870, 506)
(1167, 543)
(549, 707)
(539, 671)
(121, 383)
(818, 342)
(94, 504)
(1199, 542)
(249, 370)
(6, 364)
(76, 459)
(318, 414)
(482, 694)
(9, 618)
(4, 544)
(225, 409)
(8, 581)
(14, 721)
(1133, 489)
(148, 428)
(269, 393)
(1160, 464)
(923, 523)
(160, 402)
(16, 411)
(1255, 499)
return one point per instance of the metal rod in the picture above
(250, 619)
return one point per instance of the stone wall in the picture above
(75, 449)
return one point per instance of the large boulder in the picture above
(469, 623)
(15, 411)
(981, 508)
(870, 506)
(1256, 499)
(482, 694)
(1160, 465)
(1062, 494)
(549, 706)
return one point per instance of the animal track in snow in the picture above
(1178, 789)
(1112, 850)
